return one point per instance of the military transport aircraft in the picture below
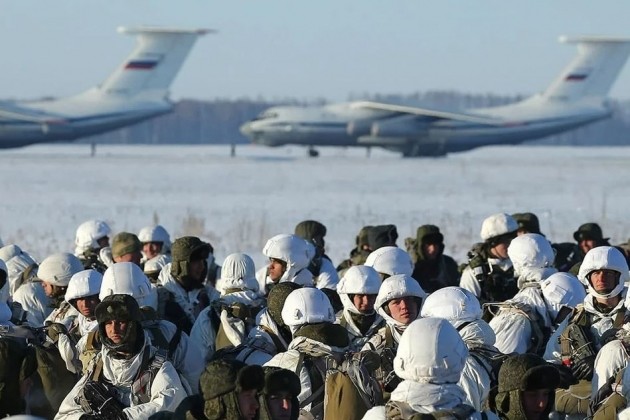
(135, 91)
(575, 98)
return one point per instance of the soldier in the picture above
(129, 379)
(359, 253)
(91, 237)
(432, 269)
(322, 268)
(390, 261)
(278, 399)
(527, 223)
(289, 257)
(55, 273)
(126, 247)
(489, 273)
(462, 309)
(429, 374)
(358, 290)
(185, 282)
(526, 388)
(570, 255)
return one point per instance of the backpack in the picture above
(540, 333)
(348, 388)
(609, 399)
(398, 410)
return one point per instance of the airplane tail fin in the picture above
(153, 64)
(593, 71)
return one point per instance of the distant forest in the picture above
(217, 121)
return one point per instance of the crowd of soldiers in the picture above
(140, 327)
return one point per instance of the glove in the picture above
(584, 368)
(566, 376)
(53, 330)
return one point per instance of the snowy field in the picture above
(237, 203)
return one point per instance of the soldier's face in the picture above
(364, 303)
(430, 251)
(280, 406)
(500, 250)
(248, 404)
(604, 281)
(87, 305)
(196, 269)
(534, 403)
(48, 288)
(275, 269)
(587, 244)
(103, 242)
(151, 249)
(116, 330)
(403, 309)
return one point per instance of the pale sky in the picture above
(308, 49)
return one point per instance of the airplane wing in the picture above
(424, 112)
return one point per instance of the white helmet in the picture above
(358, 279)
(530, 250)
(307, 306)
(396, 287)
(454, 304)
(126, 278)
(293, 250)
(390, 260)
(238, 272)
(84, 283)
(57, 269)
(88, 233)
(441, 357)
(16, 261)
(497, 225)
(562, 289)
(156, 233)
(604, 258)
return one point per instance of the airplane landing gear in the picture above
(312, 152)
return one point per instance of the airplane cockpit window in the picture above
(266, 115)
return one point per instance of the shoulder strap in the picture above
(276, 340)
(389, 338)
(619, 317)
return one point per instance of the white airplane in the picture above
(135, 91)
(576, 98)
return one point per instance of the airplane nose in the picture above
(246, 129)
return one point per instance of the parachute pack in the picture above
(349, 389)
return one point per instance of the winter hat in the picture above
(362, 237)
(119, 308)
(524, 372)
(57, 269)
(589, 231)
(429, 234)
(310, 229)
(276, 298)
(528, 222)
(382, 235)
(184, 250)
(281, 380)
(125, 243)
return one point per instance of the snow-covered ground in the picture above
(237, 203)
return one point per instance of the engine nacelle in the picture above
(358, 128)
(403, 126)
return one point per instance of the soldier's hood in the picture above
(590, 306)
(478, 333)
(426, 397)
(123, 371)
